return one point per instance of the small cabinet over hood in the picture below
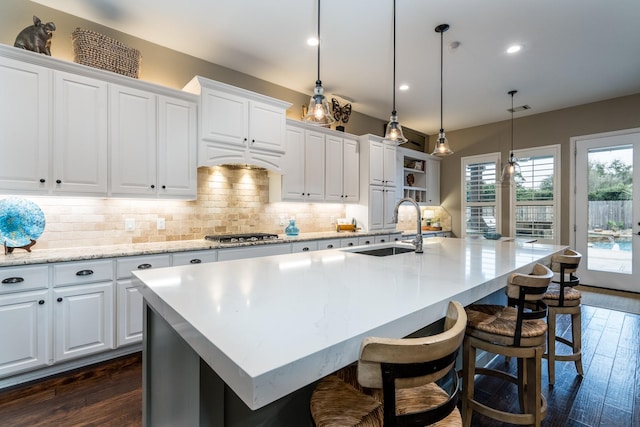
(237, 126)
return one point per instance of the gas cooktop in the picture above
(238, 238)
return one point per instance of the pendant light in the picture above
(318, 112)
(509, 170)
(394, 129)
(442, 145)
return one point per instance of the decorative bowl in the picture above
(492, 236)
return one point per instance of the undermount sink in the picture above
(391, 250)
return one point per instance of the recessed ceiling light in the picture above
(404, 86)
(514, 48)
(312, 41)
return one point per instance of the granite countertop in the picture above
(41, 256)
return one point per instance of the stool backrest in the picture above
(388, 363)
(531, 286)
(570, 259)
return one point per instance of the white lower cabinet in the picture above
(253, 251)
(82, 320)
(329, 244)
(24, 325)
(195, 257)
(348, 242)
(129, 300)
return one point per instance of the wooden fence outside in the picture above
(601, 212)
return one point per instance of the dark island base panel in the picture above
(179, 389)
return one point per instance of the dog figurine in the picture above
(37, 37)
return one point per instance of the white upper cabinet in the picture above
(133, 142)
(24, 126)
(342, 175)
(80, 150)
(177, 145)
(68, 129)
(303, 177)
(153, 145)
(238, 126)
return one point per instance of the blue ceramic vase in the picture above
(292, 229)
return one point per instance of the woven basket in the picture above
(99, 51)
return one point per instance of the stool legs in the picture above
(528, 380)
(575, 343)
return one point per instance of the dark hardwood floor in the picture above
(109, 394)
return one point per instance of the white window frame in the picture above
(470, 160)
(548, 150)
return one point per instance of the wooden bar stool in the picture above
(399, 382)
(562, 298)
(517, 330)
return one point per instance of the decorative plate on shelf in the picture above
(21, 221)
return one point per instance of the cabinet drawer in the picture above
(186, 258)
(75, 273)
(18, 279)
(304, 246)
(126, 265)
(329, 244)
(366, 240)
(348, 242)
(384, 238)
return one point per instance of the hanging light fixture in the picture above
(509, 170)
(318, 112)
(394, 129)
(442, 145)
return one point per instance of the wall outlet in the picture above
(281, 220)
(333, 220)
(160, 224)
(129, 224)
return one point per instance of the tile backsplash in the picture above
(230, 200)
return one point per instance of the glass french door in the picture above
(607, 209)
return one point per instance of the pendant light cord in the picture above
(318, 80)
(441, 72)
(394, 58)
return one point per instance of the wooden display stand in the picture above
(8, 249)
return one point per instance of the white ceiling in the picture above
(575, 51)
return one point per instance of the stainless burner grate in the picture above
(239, 238)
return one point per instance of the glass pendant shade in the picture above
(442, 146)
(318, 112)
(394, 131)
(510, 169)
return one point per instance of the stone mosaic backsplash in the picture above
(229, 201)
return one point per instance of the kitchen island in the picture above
(241, 343)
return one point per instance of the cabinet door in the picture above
(80, 135)
(314, 166)
(389, 205)
(267, 126)
(376, 207)
(82, 320)
(293, 168)
(350, 171)
(224, 117)
(24, 127)
(307, 246)
(334, 169)
(376, 163)
(177, 144)
(129, 308)
(23, 331)
(433, 182)
(133, 142)
(389, 164)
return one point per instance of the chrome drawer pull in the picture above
(12, 280)
(144, 266)
(84, 273)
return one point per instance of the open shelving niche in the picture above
(425, 169)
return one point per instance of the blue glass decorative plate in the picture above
(20, 221)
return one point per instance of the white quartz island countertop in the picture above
(271, 325)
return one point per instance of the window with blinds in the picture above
(535, 195)
(481, 198)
